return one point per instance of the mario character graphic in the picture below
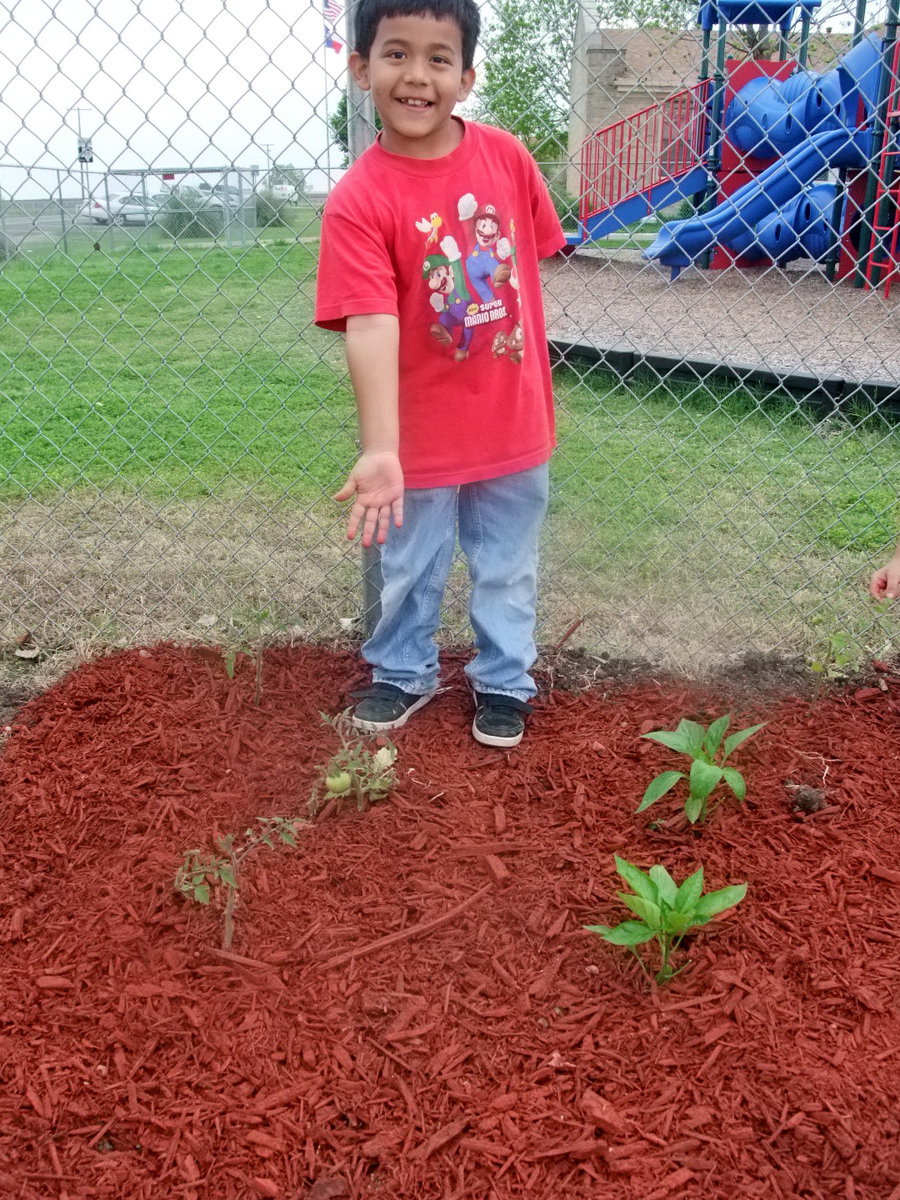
(487, 265)
(450, 299)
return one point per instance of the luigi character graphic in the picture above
(450, 298)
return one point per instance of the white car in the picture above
(278, 191)
(120, 210)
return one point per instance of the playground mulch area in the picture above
(411, 1007)
(783, 320)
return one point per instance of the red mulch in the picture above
(504, 1053)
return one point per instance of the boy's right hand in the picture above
(885, 583)
(376, 482)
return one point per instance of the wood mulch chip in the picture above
(411, 1007)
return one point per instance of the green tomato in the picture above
(338, 783)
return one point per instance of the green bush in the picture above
(270, 210)
(7, 248)
(566, 205)
(187, 213)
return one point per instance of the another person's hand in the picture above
(376, 483)
(885, 582)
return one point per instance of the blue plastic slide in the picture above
(679, 243)
(808, 121)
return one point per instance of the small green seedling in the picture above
(708, 753)
(838, 656)
(253, 648)
(665, 912)
(200, 873)
(355, 770)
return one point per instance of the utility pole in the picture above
(267, 146)
(85, 151)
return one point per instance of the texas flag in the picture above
(332, 10)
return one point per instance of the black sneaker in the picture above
(499, 720)
(383, 706)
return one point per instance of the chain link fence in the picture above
(723, 327)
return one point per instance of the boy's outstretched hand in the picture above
(376, 482)
(885, 583)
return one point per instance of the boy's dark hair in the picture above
(368, 13)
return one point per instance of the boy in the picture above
(429, 263)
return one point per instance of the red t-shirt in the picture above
(451, 246)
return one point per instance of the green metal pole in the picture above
(717, 132)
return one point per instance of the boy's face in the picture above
(416, 77)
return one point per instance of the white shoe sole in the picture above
(490, 739)
(386, 726)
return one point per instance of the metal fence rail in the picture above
(173, 425)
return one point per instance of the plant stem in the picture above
(257, 691)
(228, 919)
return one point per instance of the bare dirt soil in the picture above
(412, 1008)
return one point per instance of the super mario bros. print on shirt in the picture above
(450, 247)
(473, 289)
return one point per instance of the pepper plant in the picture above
(708, 753)
(665, 912)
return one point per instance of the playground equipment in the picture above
(778, 161)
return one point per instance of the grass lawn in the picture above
(177, 373)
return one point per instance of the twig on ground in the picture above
(404, 935)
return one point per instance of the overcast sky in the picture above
(165, 83)
(171, 83)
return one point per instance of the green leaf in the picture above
(678, 922)
(658, 788)
(715, 902)
(629, 933)
(714, 735)
(689, 892)
(287, 836)
(732, 743)
(639, 881)
(665, 884)
(201, 893)
(693, 807)
(735, 781)
(226, 874)
(704, 777)
(671, 738)
(649, 912)
(694, 734)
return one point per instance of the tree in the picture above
(525, 80)
(340, 126)
(287, 175)
(528, 51)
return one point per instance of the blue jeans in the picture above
(499, 523)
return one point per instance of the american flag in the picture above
(331, 10)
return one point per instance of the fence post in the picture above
(360, 135)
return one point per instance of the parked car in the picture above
(120, 210)
(279, 191)
(231, 195)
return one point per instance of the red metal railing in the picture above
(653, 145)
(882, 265)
